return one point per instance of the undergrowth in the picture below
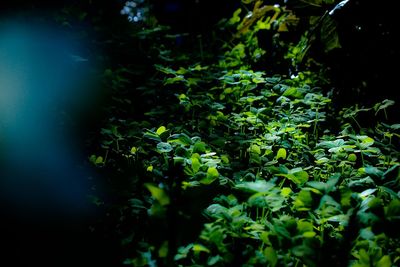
(233, 166)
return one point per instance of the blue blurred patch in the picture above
(42, 80)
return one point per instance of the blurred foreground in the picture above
(44, 91)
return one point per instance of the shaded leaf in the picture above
(158, 194)
(163, 147)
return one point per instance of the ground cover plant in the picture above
(240, 156)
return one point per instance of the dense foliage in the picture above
(259, 140)
(241, 158)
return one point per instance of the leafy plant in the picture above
(233, 165)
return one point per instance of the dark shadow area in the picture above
(365, 69)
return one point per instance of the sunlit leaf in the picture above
(255, 149)
(200, 248)
(161, 130)
(212, 175)
(310, 234)
(352, 157)
(281, 154)
(195, 164)
(384, 262)
(367, 192)
(286, 191)
(99, 160)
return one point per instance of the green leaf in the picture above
(332, 144)
(384, 262)
(182, 139)
(199, 248)
(281, 154)
(363, 257)
(309, 234)
(392, 211)
(273, 80)
(301, 177)
(163, 69)
(352, 157)
(183, 252)
(367, 192)
(296, 175)
(235, 18)
(286, 191)
(158, 194)
(216, 209)
(367, 234)
(395, 126)
(304, 226)
(152, 136)
(303, 200)
(161, 130)
(163, 250)
(366, 141)
(213, 260)
(180, 161)
(255, 149)
(212, 175)
(322, 160)
(383, 105)
(99, 160)
(292, 91)
(255, 187)
(199, 147)
(212, 172)
(92, 159)
(163, 147)
(373, 171)
(325, 187)
(392, 173)
(176, 79)
(389, 191)
(195, 164)
(363, 183)
(329, 34)
(271, 256)
(255, 158)
(225, 159)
